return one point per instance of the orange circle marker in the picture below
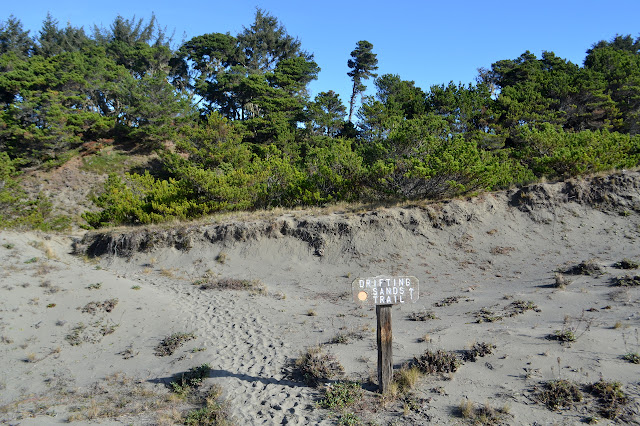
(362, 296)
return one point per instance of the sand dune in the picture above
(81, 317)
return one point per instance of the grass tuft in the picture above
(482, 414)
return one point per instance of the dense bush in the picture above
(234, 126)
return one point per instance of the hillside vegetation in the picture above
(231, 125)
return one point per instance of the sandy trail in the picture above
(477, 261)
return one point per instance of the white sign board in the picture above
(385, 290)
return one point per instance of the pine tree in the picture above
(362, 63)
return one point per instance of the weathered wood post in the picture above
(384, 338)
(384, 292)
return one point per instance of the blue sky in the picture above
(430, 42)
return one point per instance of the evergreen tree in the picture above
(327, 113)
(362, 64)
(53, 40)
(259, 77)
(13, 38)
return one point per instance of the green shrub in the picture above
(552, 152)
(17, 210)
(340, 395)
(192, 379)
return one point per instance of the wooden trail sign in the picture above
(384, 292)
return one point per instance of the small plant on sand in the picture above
(315, 366)
(478, 350)
(518, 307)
(170, 344)
(610, 396)
(222, 258)
(185, 383)
(340, 395)
(564, 335)
(421, 316)
(588, 267)
(633, 356)
(437, 362)
(75, 335)
(214, 412)
(626, 264)
(447, 301)
(626, 281)
(572, 329)
(561, 281)
(487, 315)
(345, 337)
(31, 357)
(482, 414)
(557, 394)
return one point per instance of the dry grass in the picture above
(115, 397)
(254, 286)
(405, 380)
(561, 281)
(106, 306)
(501, 250)
(482, 414)
(422, 316)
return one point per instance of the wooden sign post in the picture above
(384, 292)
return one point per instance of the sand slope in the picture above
(480, 255)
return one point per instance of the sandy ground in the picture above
(74, 328)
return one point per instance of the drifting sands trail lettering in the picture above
(385, 290)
